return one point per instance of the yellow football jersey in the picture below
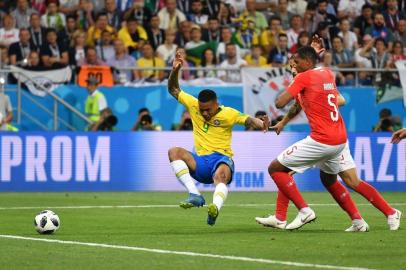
(214, 135)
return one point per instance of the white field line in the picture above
(186, 253)
(162, 206)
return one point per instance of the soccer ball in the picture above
(46, 222)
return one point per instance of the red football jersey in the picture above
(317, 93)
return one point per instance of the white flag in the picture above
(401, 66)
(261, 87)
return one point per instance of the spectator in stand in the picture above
(114, 15)
(38, 33)
(124, 5)
(212, 33)
(167, 50)
(8, 34)
(349, 37)
(22, 14)
(258, 18)
(225, 14)
(149, 60)
(77, 52)
(105, 50)
(209, 61)
(20, 50)
(133, 35)
(280, 51)
(91, 58)
(34, 61)
(392, 15)
(69, 6)
(53, 18)
(309, 18)
(99, 5)
(183, 36)
(154, 33)
(302, 40)
(363, 59)
(349, 9)
(379, 30)
(284, 14)
(380, 58)
(326, 33)
(364, 21)
(65, 35)
(197, 16)
(39, 6)
(140, 12)
(238, 6)
(255, 59)
(86, 14)
(195, 39)
(54, 54)
(297, 7)
(323, 16)
(5, 60)
(396, 54)
(94, 32)
(343, 58)
(233, 61)
(327, 61)
(170, 16)
(122, 59)
(400, 34)
(226, 35)
(269, 37)
(296, 26)
(184, 5)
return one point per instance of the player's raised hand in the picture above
(317, 44)
(398, 136)
(278, 127)
(178, 61)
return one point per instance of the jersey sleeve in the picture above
(297, 85)
(239, 118)
(187, 100)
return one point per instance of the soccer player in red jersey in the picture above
(315, 91)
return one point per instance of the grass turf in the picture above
(173, 228)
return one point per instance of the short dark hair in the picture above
(50, 30)
(307, 52)
(380, 39)
(385, 112)
(260, 113)
(131, 19)
(143, 110)
(207, 95)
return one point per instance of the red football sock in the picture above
(287, 185)
(343, 198)
(373, 196)
(282, 204)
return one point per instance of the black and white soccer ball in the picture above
(46, 222)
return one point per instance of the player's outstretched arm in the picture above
(398, 135)
(293, 111)
(257, 123)
(173, 81)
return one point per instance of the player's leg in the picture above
(286, 185)
(343, 198)
(182, 162)
(350, 177)
(221, 178)
(279, 219)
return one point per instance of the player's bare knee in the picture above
(175, 153)
(221, 178)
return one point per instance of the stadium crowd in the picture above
(213, 33)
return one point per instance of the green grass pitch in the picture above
(172, 228)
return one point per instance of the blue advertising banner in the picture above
(125, 161)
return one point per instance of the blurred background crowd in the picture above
(41, 34)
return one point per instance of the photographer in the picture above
(106, 122)
(185, 123)
(145, 121)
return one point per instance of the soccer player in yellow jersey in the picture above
(212, 161)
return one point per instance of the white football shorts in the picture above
(309, 153)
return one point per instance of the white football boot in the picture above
(358, 225)
(271, 221)
(301, 219)
(394, 220)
